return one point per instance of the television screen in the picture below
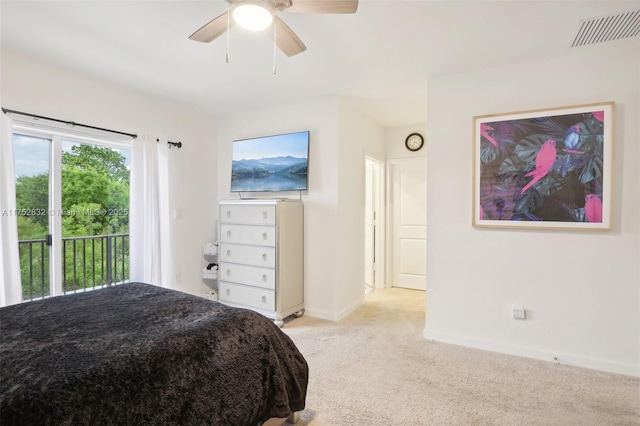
(270, 163)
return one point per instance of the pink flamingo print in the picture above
(544, 161)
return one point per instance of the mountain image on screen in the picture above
(270, 163)
(269, 174)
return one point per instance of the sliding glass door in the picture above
(72, 197)
(32, 167)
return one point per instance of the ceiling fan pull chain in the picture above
(274, 48)
(228, 30)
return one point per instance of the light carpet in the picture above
(375, 368)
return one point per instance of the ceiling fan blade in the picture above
(286, 39)
(213, 29)
(323, 6)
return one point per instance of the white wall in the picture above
(333, 205)
(395, 137)
(41, 88)
(581, 289)
(359, 136)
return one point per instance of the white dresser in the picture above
(261, 256)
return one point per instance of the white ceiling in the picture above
(380, 57)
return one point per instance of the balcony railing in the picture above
(87, 263)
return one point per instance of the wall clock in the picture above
(414, 142)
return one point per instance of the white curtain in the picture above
(151, 250)
(10, 284)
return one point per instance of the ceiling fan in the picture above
(257, 15)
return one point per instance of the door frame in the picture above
(380, 231)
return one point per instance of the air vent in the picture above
(607, 28)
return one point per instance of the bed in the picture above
(137, 354)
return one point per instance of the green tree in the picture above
(83, 220)
(85, 193)
(32, 195)
(29, 229)
(106, 161)
(98, 177)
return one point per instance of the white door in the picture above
(409, 217)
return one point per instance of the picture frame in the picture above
(544, 169)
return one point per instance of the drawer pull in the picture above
(228, 213)
(264, 236)
(264, 278)
(229, 233)
(264, 215)
(228, 272)
(229, 253)
(228, 292)
(264, 257)
(264, 299)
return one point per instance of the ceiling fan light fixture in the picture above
(251, 16)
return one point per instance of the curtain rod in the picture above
(71, 123)
(172, 144)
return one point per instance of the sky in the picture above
(293, 144)
(31, 154)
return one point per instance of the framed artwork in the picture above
(549, 168)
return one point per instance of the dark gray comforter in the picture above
(137, 354)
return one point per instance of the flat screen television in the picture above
(270, 163)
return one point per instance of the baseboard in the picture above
(505, 348)
(349, 310)
(320, 314)
(332, 316)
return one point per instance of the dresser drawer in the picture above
(258, 277)
(249, 255)
(247, 234)
(247, 296)
(248, 214)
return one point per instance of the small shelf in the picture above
(209, 272)
(210, 249)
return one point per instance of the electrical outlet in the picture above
(519, 312)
